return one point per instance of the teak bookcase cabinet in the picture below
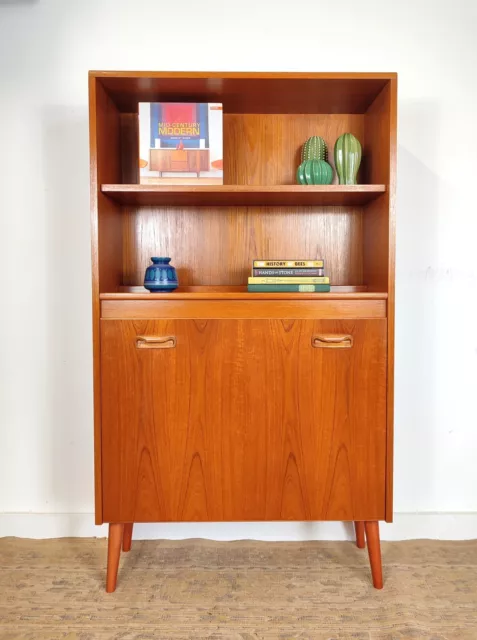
(215, 404)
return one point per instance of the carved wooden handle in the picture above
(155, 342)
(332, 341)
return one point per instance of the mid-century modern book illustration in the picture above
(180, 143)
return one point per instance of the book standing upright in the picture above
(180, 143)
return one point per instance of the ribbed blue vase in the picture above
(160, 276)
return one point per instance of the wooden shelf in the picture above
(241, 293)
(243, 195)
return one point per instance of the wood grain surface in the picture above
(391, 292)
(379, 239)
(376, 237)
(96, 309)
(106, 236)
(186, 448)
(259, 149)
(241, 195)
(333, 308)
(243, 420)
(239, 292)
(374, 552)
(248, 92)
(114, 551)
(360, 539)
(265, 149)
(379, 235)
(216, 246)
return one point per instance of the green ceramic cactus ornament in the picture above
(347, 158)
(314, 172)
(300, 174)
(314, 149)
(321, 172)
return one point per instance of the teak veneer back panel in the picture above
(260, 149)
(265, 149)
(217, 245)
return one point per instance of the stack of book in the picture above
(275, 276)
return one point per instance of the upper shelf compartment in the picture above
(248, 92)
(241, 195)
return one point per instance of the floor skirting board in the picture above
(406, 526)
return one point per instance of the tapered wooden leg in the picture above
(127, 536)
(114, 551)
(359, 528)
(374, 551)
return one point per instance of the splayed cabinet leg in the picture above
(359, 528)
(127, 536)
(114, 551)
(374, 551)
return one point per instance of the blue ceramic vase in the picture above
(160, 276)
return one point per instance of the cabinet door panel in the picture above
(243, 420)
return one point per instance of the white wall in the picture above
(46, 49)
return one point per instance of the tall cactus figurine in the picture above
(314, 149)
(347, 158)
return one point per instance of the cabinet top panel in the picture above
(247, 92)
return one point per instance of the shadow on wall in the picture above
(68, 304)
(419, 193)
(17, 3)
(68, 290)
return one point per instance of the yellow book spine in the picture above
(288, 264)
(291, 280)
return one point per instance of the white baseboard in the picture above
(406, 526)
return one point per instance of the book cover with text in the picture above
(292, 280)
(180, 143)
(288, 264)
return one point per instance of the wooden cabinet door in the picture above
(243, 420)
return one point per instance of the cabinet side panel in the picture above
(376, 244)
(377, 123)
(106, 238)
(108, 139)
(379, 235)
(110, 241)
(391, 298)
(130, 148)
(376, 150)
(378, 240)
(94, 186)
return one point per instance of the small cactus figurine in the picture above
(314, 149)
(300, 174)
(321, 172)
(314, 172)
(347, 158)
